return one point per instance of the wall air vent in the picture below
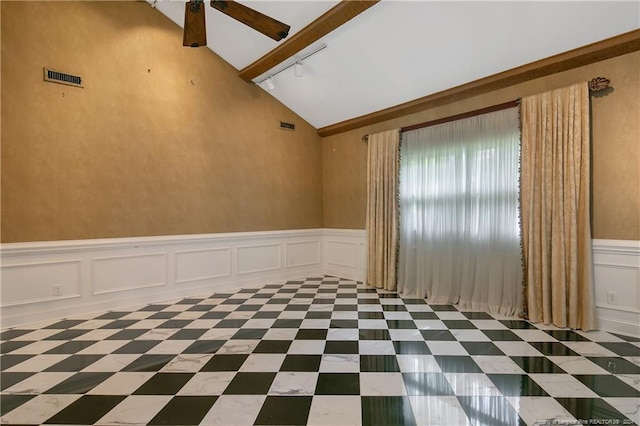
(287, 126)
(62, 78)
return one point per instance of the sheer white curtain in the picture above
(459, 221)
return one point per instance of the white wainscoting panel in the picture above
(617, 285)
(198, 265)
(118, 273)
(44, 281)
(259, 258)
(344, 253)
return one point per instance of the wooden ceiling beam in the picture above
(595, 52)
(329, 21)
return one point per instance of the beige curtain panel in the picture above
(382, 208)
(555, 197)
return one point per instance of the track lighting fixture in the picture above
(297, 69)
(269, 83)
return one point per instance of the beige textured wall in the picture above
(615, 157)
(162, 140)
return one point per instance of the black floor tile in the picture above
(172, 323)
(163, 315)
(412, 347)
(345, 308)
(9, 379)
(394, 308)
(64, 324)
(368, 301)
(516, 385)
(338, 384)
(537, 364)
(595, 409)
(202, 308)
(250, 333)
(67, 335)
(311, 334)
(627, 338)
(457, 364)
(428, 384)
(79, 383)
(502, 335)
(401, 324)
(204, 347)
(608, 386)
(424, 315)
(459, 324)
(150, 362)
(370, 315)
(387, 410)
(616, 365)
(266, 315)
(297, 307)
(287, 323)
(230, 323)
(250, 384)
(225, 362)
(301, 363)
(136, 347)
(553, 349)
(490, 410)
(378, 363)
(74, 363)
(413, 301)
(154, 308)
(517, 324)
(86, 410)
(365, 334)
(477, 315)
(622, 348)
(164, 384)
(341, 347)
(128, 334)
(184, 410)
(437, 335)
(481, 348)
(11, 402)
(8, 361)
(341, 323)
(12, 334)
(272, 347)
(188, 334)
(284, 410)
(71, 347)
(566, 336)
(117, 324)
(317, 315)
(215, 315)
(438, 308)
(112, 315)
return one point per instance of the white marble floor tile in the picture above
(261, 323)
(327, 410)
(138, 315)
(97, 334)
(534, 335)
(146, 324)
(418, 308)
(219, 334)
(320, 308)
(563, 385)
(633, 359)
(280, 334)
(38, 409)
(340, 364)
(186, 363)
(37, 363)
(446, 348)
(630, 407)
(430, 325)
(489, 324)
(135, 410)
(376, 347)
(307, 347)
(589, 349)
(110, 363)
(347, 315)
(450, 315)
(577, 365)
(234, 410)
(372, 324)
(464, 335)
(471, 384)
(294, 383)
(93, 324)
(497, 364)
(369, 308)
(38, 383)
(517, 349)
(158, 334)
(204, 324)
(391, 315)
(37, 348)
(103, 347)
(405, 335)
(38, 334)
(263, 362)
(599, 336)
(213, 383)
(418, 364)
(315, 323)
(438, 411)
(343, 334)
(170, 347)
(240, 346)
(123, 383)
(382, 384)
(632, 380)
(540, 410)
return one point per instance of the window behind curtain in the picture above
(459, 223)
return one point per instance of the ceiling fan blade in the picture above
(195, 29)
(266, 25)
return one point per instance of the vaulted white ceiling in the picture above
(398, 51)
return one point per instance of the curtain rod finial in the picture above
(599, 83)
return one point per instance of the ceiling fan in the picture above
(195, 30)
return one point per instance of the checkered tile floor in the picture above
(321, 351)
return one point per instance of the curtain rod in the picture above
(595, 85)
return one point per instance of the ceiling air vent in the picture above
(287, 126)
(62, 78)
